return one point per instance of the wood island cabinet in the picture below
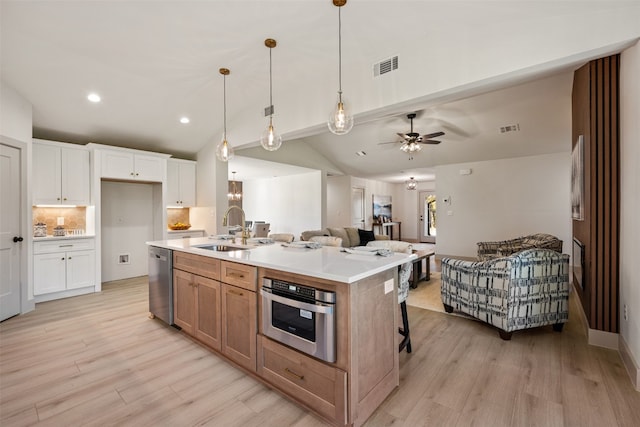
(220, 315)
(196, 298)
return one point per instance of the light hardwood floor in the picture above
(98, 360)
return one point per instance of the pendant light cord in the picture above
(224, 100)
(339, 54)
(270, 90)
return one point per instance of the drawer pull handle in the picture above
(290, 372)
(65, 246)
(233, 291)
(238, 275)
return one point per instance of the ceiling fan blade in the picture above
(403, 135)
(391, 142)
(432, 135)
(430, 141)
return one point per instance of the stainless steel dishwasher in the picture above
(161, 283)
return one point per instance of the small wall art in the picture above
(577, 180)
(381, 209)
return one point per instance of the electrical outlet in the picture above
(626, 313)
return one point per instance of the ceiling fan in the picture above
(411, 141)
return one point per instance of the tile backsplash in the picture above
(177, 215)
(74, 218)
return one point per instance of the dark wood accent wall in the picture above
(595, 116)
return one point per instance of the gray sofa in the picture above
(350, 235)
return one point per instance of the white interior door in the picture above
(357, 207)
(10, 239)
(427, 221)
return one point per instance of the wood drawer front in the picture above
(197, 264)
(321, 387)
(241, 275)
(63, 245)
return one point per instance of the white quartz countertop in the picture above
(50, 237)
(326, 263)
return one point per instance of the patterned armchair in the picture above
(491, 250)
(524, 290)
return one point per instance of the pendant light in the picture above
(340, 121)
(224, 151)
(269, 139)
(234, 195)
(412, 184)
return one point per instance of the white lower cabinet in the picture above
(63, 266)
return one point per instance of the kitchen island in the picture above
(218, 301)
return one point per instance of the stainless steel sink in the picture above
(220, 248)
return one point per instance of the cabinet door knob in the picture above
(17, 239)
(131, 174)
(137, 174)
(69, 258)
(62, 259)
(65, 199)
(58, 199)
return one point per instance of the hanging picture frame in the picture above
(577, 180)
(381, 209)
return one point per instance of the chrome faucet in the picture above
(245, 230)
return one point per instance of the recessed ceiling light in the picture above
(184, 120)
(93, 97)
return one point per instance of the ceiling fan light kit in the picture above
(411, 142)
(270, 140)
(340, 121)
(224, 151)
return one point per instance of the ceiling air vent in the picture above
(510, 128)
(386, 66)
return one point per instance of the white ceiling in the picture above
(155, 61)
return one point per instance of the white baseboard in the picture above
(633, 368)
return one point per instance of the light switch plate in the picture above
(388, 286)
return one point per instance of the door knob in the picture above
(17, 239)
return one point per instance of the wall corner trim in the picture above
(603, 339)
(632, 365)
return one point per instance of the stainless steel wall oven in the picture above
(300, 316)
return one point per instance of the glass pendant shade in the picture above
(224, 151)
(270, 140)
(340, 121)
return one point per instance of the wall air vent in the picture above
(510, 128)
(385, 66)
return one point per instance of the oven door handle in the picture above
(297, 304)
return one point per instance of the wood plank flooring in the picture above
(97, 360)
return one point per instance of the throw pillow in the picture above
(366, 236)
(341, 233)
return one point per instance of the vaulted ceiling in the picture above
(466, 67)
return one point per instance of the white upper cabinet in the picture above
(126, 165)
(61, 174)
(181, 183)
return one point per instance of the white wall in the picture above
(291, 204)
(211, 191)
(339, 201)
(16, 117)
(629, 200)
(126, 212)
(15, 114)
(503, 199)
(378, 188)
